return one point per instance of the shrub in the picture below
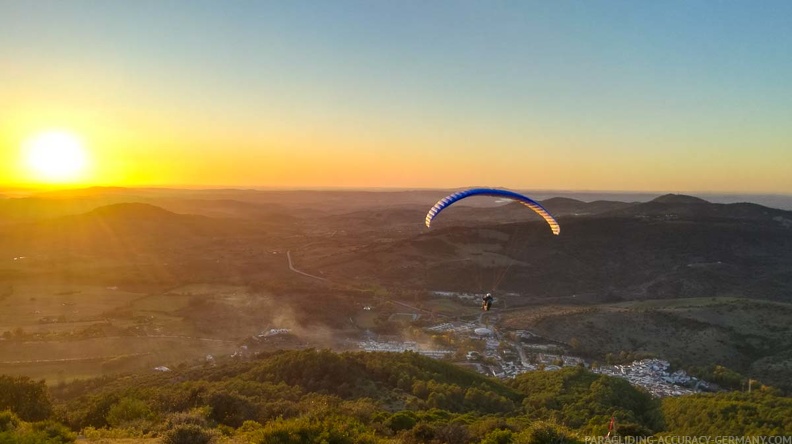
(545, 433)
(499, 437)
(188, 434)
(55, 432)
(8, 421)
(404, 420)
(195, 417)
(128, 411)
(94, 434)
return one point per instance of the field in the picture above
(63, 331)
(67, 360)
(31, 306)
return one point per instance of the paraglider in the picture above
(486, 302)
(611, 427)
(495, 192)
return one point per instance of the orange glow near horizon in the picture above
(388, 95)
(159, 150)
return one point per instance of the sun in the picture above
(55, 157)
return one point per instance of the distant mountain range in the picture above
(369, 244)
(682, 206)
(678, 205)
(671, 246)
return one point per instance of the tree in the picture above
(128, 411)
(403, 420)
(26, 398)
(230, 409)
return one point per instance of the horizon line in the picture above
(198, 187)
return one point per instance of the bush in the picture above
(250, 431)
(94, 434)
(8, 421)
(499, 437)
(55, 432)
(545, 433)
(128, 411)
(313, 430)
(188, 434)
(230, 409)
(196, 417)
(404, 420)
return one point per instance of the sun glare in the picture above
(55, 157)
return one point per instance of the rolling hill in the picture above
(673, 248)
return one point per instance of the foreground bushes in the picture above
(15, 431)
(309, 396)
(26, 398)
(188, 434)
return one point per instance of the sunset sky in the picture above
(677, 96)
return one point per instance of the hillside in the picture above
(682, 207)
(369, 397)
(143, 244)
(748, 336)
(133, 285)
(564, 206)
(111, 228)
(596, 258)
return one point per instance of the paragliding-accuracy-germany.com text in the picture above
(689, 439)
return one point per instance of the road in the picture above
(291, 267)
(493, 319)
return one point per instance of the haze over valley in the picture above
(101, 281)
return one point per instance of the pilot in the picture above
(486, 302)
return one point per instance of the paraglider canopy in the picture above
(528, 202)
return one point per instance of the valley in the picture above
(133, 284)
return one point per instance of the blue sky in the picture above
(673, 95)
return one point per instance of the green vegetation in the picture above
(699, 335)
(16, 431)
(321, 396)
(729, 414)
(586, 401)
(27, 398)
